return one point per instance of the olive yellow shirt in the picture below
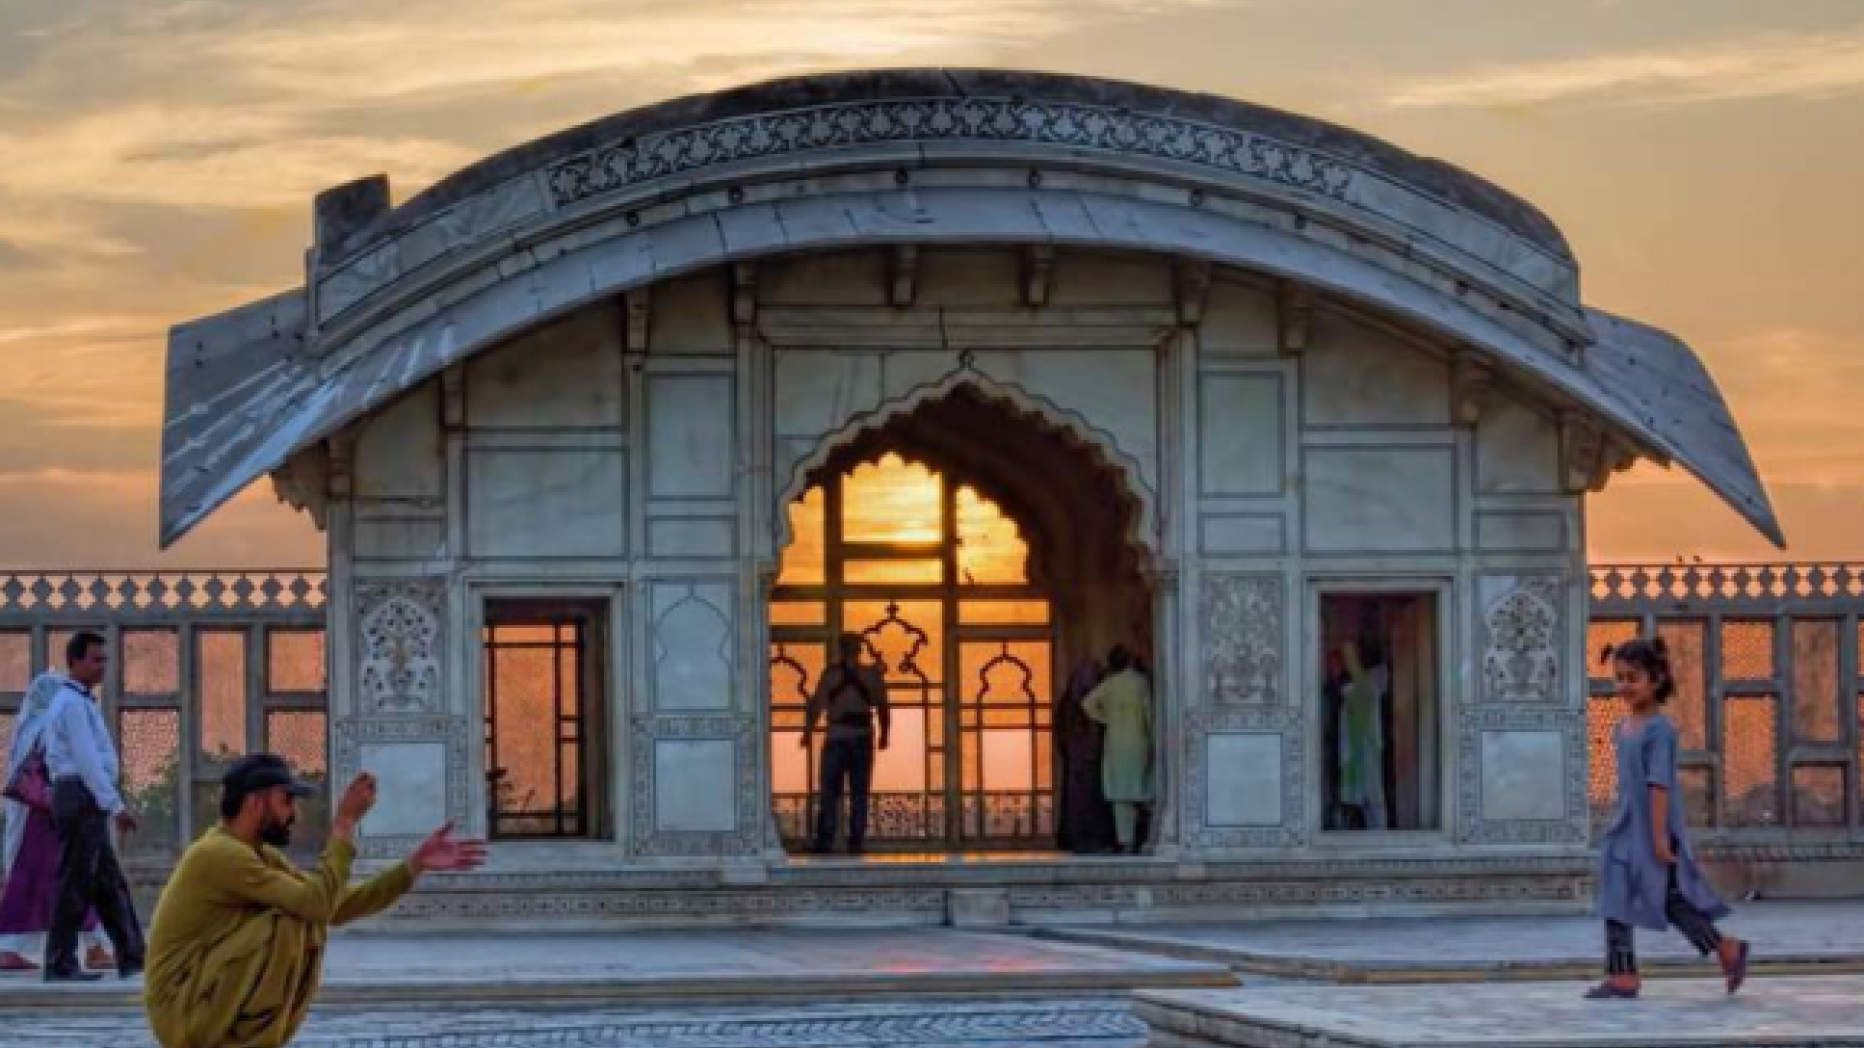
(231, 907)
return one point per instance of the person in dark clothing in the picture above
(83, 765)
(851, 694)
(1086, 823)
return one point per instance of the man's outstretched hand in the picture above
(443, 852)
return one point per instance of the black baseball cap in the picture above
(262, 771)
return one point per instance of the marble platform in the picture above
(1089, 1023)
(1824, 1011)
(750, 966)
(1825, 937)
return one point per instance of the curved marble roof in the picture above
(918, 156)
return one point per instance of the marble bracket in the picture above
(1192, 280)
(453, 398)
(303, 483)
(1589, 455)
(744, 293)
(639, 319)
(903, 274)
(1471, 380)
(1294, 312)
(1038, 274)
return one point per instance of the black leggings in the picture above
(1621, 955)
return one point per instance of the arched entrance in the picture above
(979, 556)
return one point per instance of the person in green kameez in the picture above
(1123, 702)
(236, 948)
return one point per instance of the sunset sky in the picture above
(158, 159)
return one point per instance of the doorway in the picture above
(934, 578)
(541, 679)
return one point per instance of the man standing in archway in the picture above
(852, 694)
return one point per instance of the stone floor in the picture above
(750, 965)
(1104, 1023)
(1798, 937)
(1827, 1011)
(943, 988)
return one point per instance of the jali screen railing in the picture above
(1769, 696)
(203, 664)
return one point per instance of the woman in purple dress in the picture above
(1648, 876)
(31, 852)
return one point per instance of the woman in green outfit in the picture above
(1123, 702)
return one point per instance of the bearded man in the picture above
(237, 947)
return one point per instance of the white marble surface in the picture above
(411, 787)
(1523, 775)
(1380, 499)
(695, 785)
(546, 502)
(567, 375)
(1241, 446)
(1517, 448)
(692, 646)
(691, 427)
(1245, 778)
(1355, 375)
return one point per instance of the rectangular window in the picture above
(1381, 694)
(542, 690)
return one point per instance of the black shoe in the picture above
(71, 975)
(130, 970)
(857, 849)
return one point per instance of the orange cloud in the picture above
(1772, 65)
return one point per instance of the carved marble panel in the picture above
(1245, 786)
(689, 537)
(1521, 776)
(691, 639)
(1240, 434)
(690, 436)
(398, 456)
(1232, 534)
(422, 767)
(1522, 637)
(538, 502)
(400, 643)
(1243, 638)
(693, 786)
(689, 772)
(1281, 724)
(1356, 375)
(566, 375)
(1380, 499)
(817, 390)
(1519, 532)
(1517, 449)
(411, 780)
(1239, 320)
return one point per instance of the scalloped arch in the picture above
(1094, 444)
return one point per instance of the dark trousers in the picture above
(850, 760)
(1621, 952)
(88, 878)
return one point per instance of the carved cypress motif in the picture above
(1242, 638)
(399, 631)
(1522, 640)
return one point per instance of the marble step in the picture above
(1821, 1011)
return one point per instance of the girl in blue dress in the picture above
(1648, 876)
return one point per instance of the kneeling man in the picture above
(237, 946)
